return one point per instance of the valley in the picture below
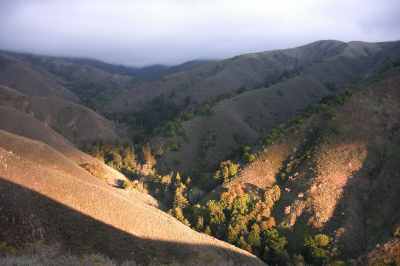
(283, 157)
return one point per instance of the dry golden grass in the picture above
(75, 122)
(61, 183)
(347, 182)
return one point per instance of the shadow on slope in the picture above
(367, 212)
(27, 216)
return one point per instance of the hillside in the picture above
(47, 197)
(25, 125)
(286, 156)
(337, 173)
(24, 78)
(315, 71)
(256, 70)
(77, 123)
(94, 82)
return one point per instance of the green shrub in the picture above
(322, 240)
(317, 249)
(226, 171)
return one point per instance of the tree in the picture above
(208, 230)
(247, 155)
(240, 205)
(177, 179)
(254, 236)
(268, 223)
(322, 240)
(275, 241)
(217, 218)
(217, 215)
(113, 159)
(180, 199)
(316, 249)
(178, 214)
(226, 170)
(244, 245)
(200, 223)
(232, 234)
(148, 157)
(275, 247)
(128, 157)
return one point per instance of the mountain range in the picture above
(284, 157)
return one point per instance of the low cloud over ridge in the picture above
(169, 32)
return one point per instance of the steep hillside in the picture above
(315, 71)
(254, 70)
(291, 155)
(95, 82)
(90, 80)
(23, 124)
(336, 170)
(21, 76)
(47, 197)
(75, 122)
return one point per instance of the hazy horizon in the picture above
(140, 33)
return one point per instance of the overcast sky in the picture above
(144, 32)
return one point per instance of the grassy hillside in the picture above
(327, 68)
(290, 155)
(337, 174)
(75, 122)
(21, 76)
(47, 197)
(321, 188)
(96, 83)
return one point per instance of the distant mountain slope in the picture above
(250, 71)
(47, 197)
(23, 77)
(90, 80)
(317, 70)
(93, 81)
(75, 122)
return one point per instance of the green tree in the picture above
(274, 240)
(199, 223)
(148, 157)
(217, 215)
(208, 230)
(316, 249)
(226, 171)
(114, 159)
(180, 199)
(240, 204)
(128, 157)
(244, 245)
(178, 214)
(232, 234)
(254, 237)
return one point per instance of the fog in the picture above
(170, 32)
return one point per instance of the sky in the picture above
(144, 32)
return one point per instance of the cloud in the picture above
(159, 31)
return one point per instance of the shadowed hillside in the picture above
(288, 155)
(23, 77)
(96, 83)
(321, 69)
(337, 173)
(45, 196)
(29, 217)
